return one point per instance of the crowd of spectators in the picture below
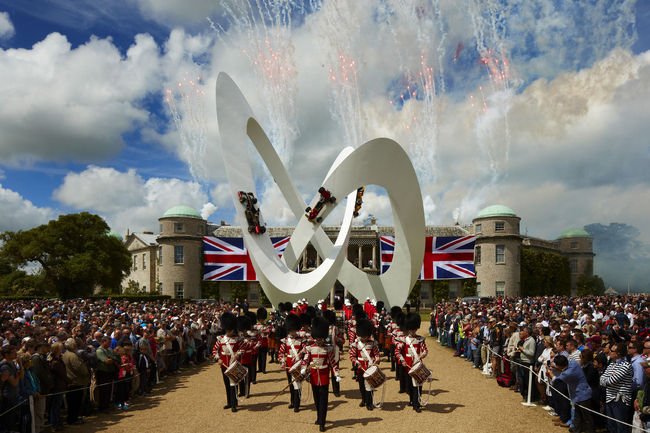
(589, 356)
(94, 355)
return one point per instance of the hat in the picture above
(523, 324)
(544, 323)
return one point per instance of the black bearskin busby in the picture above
(330, 316)
(365, 328)
(412, 322)
(244, 323)
(261, 313)
(228, 322)
(292, 323)
(319, 328)
(395, 311)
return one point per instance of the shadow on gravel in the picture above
(442, 407)
(355, 421)
(260, 407)
(99, 421)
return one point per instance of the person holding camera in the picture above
(526, 350)
(570, 372)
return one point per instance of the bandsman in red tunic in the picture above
(398, 337)
(228, 349)
(411, 350)
(318, 360)
(290, 353)
(334, 339)
(364, 353)
(264, 331)
(245, 326)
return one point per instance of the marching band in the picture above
(308, 343)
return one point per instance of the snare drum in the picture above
(374, 377)
(420, 373)
(295, 373)
(236, 372)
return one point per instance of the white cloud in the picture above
(18, 213)
(63, 103)
(176, 12)
(135, 203)
(6, 26)
(102, 189)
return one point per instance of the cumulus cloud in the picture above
(18, 213)
(135, 203)
(6, 26)
(68, 103)
(177, 12)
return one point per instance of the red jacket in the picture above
(405, 348)
(319, 360)
(224, 353)
(286, 354)
(360, 359)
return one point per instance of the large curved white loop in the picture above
(380, 162)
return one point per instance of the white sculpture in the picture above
(380, 162)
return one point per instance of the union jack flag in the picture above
(445, 257)
(227, 259)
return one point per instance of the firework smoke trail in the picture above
(267, 28)
(489, 24)
(186, 102)
(339, 28)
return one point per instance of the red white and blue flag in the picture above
(445, 257)
(227, 259)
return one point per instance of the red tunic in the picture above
(286, 354)
(360, 359)
(405, 348)
(263, 332)
(224, 353)
(319, 360)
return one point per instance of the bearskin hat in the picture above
(319, 328)
(292, 323)
(330, 316)
(399, 319)
(380, 305)
(412, 322)
(395, 311)
(252, 317)
(228, 322)
(311, 312)
(365, 328)
(281, 332)
(305, 320)
(338, 304)
(244, 323)
(356, 309)
(262, 313)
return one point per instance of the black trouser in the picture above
(582, 420)
(245, 385)
(393, 361)
(336, 385)
(320, 400)
(560, 404)
(104, 388)
(253, 374)
(523, 375)
(231, 390)
(403, 378)
(122, 390)
(74, 396)
(414, 392)
(295, 394)
(261, 359)
(366, 395)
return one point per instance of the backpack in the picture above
(505, 380)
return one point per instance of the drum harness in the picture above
(232, 358)
(417, 359)
(296, 384)
(383, 388)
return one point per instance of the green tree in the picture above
(210, 289)
(544, 273)
(238, 290)
(440, 290)
(75, 253)
(469, 287)
(593, 285)
(132, 288)
(415, 293)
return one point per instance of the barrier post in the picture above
(530, 388)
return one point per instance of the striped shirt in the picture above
(617, 380)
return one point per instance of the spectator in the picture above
(569, 372)
(526, 349)
(11, 374)
(618, 382)
(59, 386)
(41, 370)
(78, 380)
(105, 373)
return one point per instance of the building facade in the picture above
(171, 263)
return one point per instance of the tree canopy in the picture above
(76, 253)
(544, 273)
(593, 285)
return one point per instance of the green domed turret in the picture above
(496, 210)
(183, 212)
(574, 233)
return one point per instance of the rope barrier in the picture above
(550, 384)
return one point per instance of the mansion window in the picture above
(499, 226)
(160, 255)
(573, 264)
(144, 261)
(478, 289)
(135, 262)
(477, 255)
(179, 228)
(178, 290)
(179, 254)
(500, 253)
(574, 245)
(478, 228)
(500, 288)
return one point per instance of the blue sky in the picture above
(537, 105)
